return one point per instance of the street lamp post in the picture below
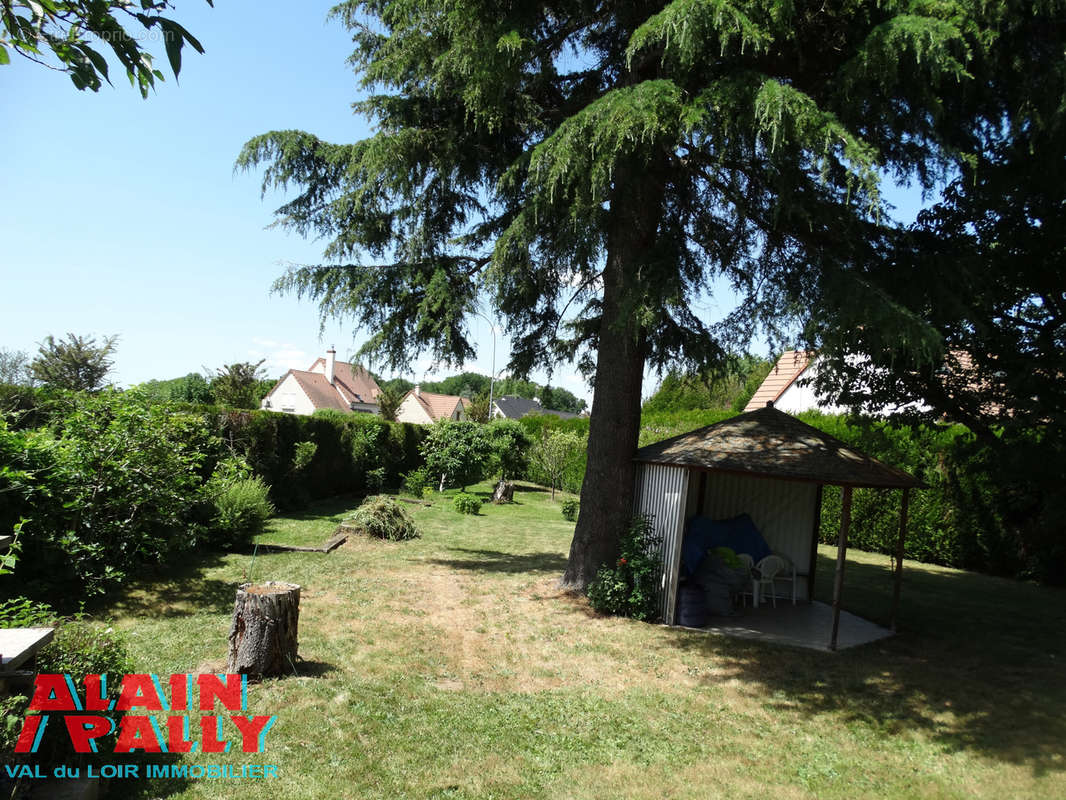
(492, 376)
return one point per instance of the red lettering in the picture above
(211, 731)
(52, 693)
(84, 730)
(179, 692)
(27, 740)
(96, 693)
(253, 731)
(139, 690)
(137, 733)
(177, 735)
(227, 688)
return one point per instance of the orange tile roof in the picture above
(318, 390)
(789, 367)
(354, 382)
(438, 406)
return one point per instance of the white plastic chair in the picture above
(767, 570)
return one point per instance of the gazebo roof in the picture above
(772, 444)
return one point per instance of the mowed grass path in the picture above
(452, 667)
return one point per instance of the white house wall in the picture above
(783, 511)
(411, 410)
(289, 397)
(661, 492)
(800, 396)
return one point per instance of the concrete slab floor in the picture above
(802, 625)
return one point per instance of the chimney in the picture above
(418, 390)
(331, 360)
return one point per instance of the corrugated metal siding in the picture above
(783, 511)
(662, 493)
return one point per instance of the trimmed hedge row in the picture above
(353, 453)
(995, 507)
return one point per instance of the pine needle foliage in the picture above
(598, 169)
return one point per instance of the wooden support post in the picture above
(842, 549)
(815, 532)
(899, 556)
(262, 638)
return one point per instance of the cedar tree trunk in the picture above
(607, 491)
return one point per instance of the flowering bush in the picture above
(630, 588)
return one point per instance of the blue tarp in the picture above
(739, 534)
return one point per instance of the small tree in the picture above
(15, 367)
(192, 388)
(76, 363)
(235, 385)
(478, 410)
(510, 448)
(458, 451)
(389, 404)
(555, 453)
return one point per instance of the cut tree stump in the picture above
(504, 493)
(262, 637)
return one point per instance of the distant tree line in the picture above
(728, 387)
(474, 386)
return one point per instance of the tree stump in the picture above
(504, 493)
(262, 638)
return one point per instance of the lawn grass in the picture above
(451, 667)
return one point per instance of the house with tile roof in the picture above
(789, 386)
(512, 407)
(327, 383)
(427, 407)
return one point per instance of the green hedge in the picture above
(994, 507)
(354, 453)
(536, 425)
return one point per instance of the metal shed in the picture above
(772, 466)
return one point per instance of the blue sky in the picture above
(123, 216)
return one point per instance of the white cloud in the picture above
(280, 356)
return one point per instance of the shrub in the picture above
(20, 612)
(302, 455)
(81, 648)
(242, 507)
(416, 482)
(570, 509)
(349, 448)
(375, 479)
(121, 491)
(631, 587)
(466, 503)
(384, 518)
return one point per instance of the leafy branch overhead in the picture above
(500, 142)
(68, 35)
